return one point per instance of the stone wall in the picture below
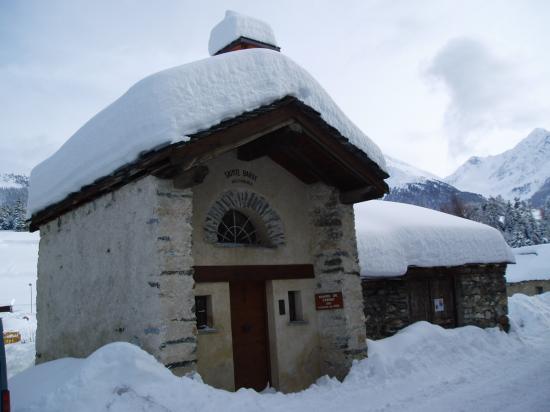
(479, 294)
(341, 331)
(528, 287)
(386, 305)
(119, 268)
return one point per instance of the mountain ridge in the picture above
(518, 172)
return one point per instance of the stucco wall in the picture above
(286, 195)
(119, 269)
(214, 347)
(528, 287)
(317, 229)
(294, 345)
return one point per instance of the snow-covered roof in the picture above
(236, 25)
(532, 263)
(393, 236)
(168, 106)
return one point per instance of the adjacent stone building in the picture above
(207, 216)
(421, 265)
(531, 273)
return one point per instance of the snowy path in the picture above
(519, 383)
(422, 368)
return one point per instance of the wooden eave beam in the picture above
(358, 195)
(179, 157)
(316, 133)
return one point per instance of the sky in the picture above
(431, 82)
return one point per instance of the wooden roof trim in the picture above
(207, 144)
(233, 46)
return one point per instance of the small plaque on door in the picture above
(333, 300)
(439, 305)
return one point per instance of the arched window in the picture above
(236, 228)
(243, 218)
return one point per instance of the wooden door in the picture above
(249, 329)
(419, 295)
(442, 301)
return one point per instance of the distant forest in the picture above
(519, 222)
(13, 203)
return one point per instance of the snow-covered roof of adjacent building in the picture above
(391, 237)
(235, 26)
(532, 263)
(169, 106)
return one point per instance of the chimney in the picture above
(238, 32)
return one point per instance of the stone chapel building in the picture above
(207, 217)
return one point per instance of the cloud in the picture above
(486, 93)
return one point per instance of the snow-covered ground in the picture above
(20, 356)
(424, 367)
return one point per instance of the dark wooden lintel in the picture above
(252, 272)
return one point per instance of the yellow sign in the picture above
(12, 337)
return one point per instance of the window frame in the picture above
(203, 304)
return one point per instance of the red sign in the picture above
(332, 300)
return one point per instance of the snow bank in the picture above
(530, 315)
(236, 25)
(532, 263)
(393, 236)
(423, 367)
(18, 260)
(169, 106)
(19, 357)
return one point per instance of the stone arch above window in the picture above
(254, 207)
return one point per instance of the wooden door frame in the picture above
(266, 330)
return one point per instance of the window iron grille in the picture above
(236, 228)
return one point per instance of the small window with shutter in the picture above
(203, 312)
(295, 306)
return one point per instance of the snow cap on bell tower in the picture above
(237, 32)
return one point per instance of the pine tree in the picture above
(5, 217)
(19, 217)
(545, 222)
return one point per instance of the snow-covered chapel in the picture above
(207, 216)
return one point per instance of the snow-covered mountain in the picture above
(402, 173)
(409, 184)
(518, 172)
